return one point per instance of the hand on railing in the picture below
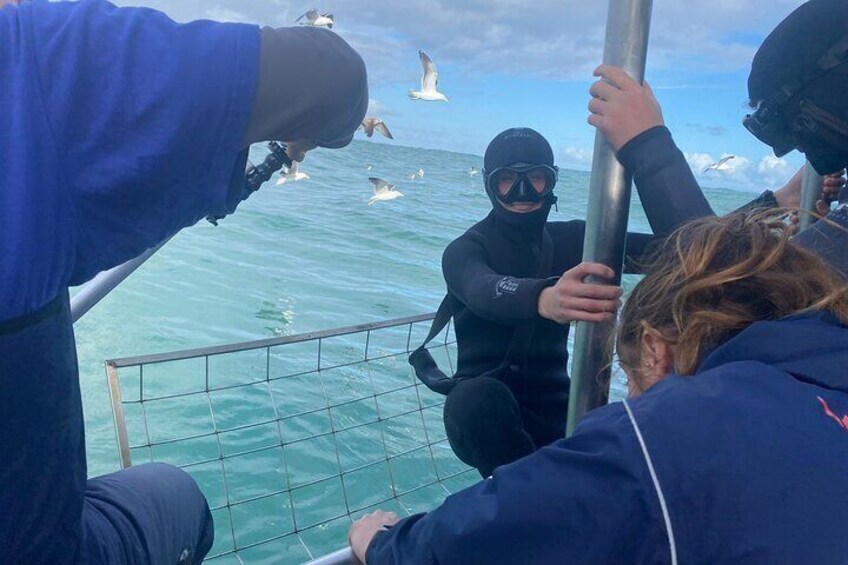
(363, 530)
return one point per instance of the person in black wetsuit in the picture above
(495, 276)
(796, 87)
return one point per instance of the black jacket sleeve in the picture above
(669, 192)
(490, 295)
(638, 245)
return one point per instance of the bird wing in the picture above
(725, 159)
(430, 79)
(382, 128)
(368, 126)
(379, 184)
(310, 15)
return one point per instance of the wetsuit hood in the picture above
(798, 74)
(811, 347)
(511, 146)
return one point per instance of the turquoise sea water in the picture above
(304, 256)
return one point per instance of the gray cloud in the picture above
(546, 38)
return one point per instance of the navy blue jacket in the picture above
(744, 462)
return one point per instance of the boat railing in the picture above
(290, 438)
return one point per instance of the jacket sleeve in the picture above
(638, 245)
(148, 118)
(490, 295)
(667, 188)
(587, 499)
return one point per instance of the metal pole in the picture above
(628, 23)
(341, 557)
(97, 288)
(811, 188)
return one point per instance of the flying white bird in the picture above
(368, 166)
(429, 81)
(369, 125)
(472, 171)
(420, 173)
(411, 176)
(292, 175)
(721, 164)
(314, 18)
(383, 191)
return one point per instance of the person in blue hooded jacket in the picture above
(731, 449)
(118, 127)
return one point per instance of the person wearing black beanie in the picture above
(515, 283)
(795, 88)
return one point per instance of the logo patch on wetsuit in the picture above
(507, 285)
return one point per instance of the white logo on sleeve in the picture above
(507, 285)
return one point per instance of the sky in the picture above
(506, 63)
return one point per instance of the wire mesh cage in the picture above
(291, 438)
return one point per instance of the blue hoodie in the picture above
(744, 462)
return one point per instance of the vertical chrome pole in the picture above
(97, 288)
(628, 23)
(811, 188)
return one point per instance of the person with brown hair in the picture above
(731, 449)
(711, 281)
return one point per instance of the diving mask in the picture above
(521, 182)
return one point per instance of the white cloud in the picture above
(577, 157)
(741, 172)
(220, 14)
(375, 107)
(770, 163)
(509, 36)
(698, 161)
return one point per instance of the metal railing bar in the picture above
(118, 416)
(223, 474)
(268, 342)
(249, 383)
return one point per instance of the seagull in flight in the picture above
(472, 171)
(370, 125)
(721, 164)
(420, 173)
(429, 81)
(383, 191)
(293, 175)
(317, 19)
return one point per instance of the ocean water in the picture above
(304, 256)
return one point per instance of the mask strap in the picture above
(824, 118)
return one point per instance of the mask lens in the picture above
(505, 179)
(541, 179)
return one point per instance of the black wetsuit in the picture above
(492, 271)
(682, 192)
